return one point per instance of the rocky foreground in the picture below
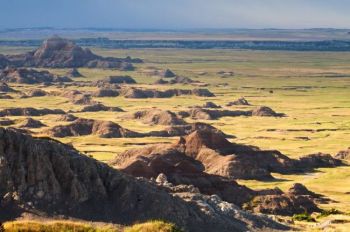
(43, 177)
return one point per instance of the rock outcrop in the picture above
(100, 107)
(56, 52)
(264, 111)
(156, 117)
(153, 93)
(106, 93)
(28, 111)
(47, 177)
(30, 76)
(31, 123)
(81, 127)
(239, 102)
(167, 73)
(115, 80)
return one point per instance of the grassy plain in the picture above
(312, 88)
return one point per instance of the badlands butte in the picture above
(200, 140)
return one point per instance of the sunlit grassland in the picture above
(311, 88)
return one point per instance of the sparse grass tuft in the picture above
(303, 217)
(53, 226)
(153, 226)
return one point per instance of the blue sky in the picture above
(175, 14)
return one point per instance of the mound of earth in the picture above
(186, 129)
(206, 114)
(6, 122)
(67, 118)
(5, 88)
(31, 123)
(156, 117)
(80, 127)
(106, 93)
(175, 166)
(318, 160)
(53, 179)
(182, 80)
(82, 99)
(30, 76)
(282, 204)
(56, 52)
(239, 102)
(264, 111)
(226, 73)
(235, 161)
(211, 105)
(161, 82)
(115, 80)
(179, 169)
(100, 107)
(28, 111)
(345, 155)
(74, 73)
(152, 93)
(36, 93)
(167, 73)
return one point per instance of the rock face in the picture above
(153, 93)
(80, 127)
(30, 76)
(100, 107)
(157, 117)
(50, 178)
(182, 80)
(161, 82)
(239, 102)
(6, 122)
(4, 62)
(56, 52)
(28, 111)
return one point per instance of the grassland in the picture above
(312, 88)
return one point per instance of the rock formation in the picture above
(167, 73)
(265, 111)
(56, 52)
(239, 102)
(45, 177)
(28, 111)
(31, 123)
(100, 107)
(80, 127)
(30, 76)
(156, 117)
(115, 80)
(153, 93)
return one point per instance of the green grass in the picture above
(153, 226)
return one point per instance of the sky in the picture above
(175, 14)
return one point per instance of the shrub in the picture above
(303, 217)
